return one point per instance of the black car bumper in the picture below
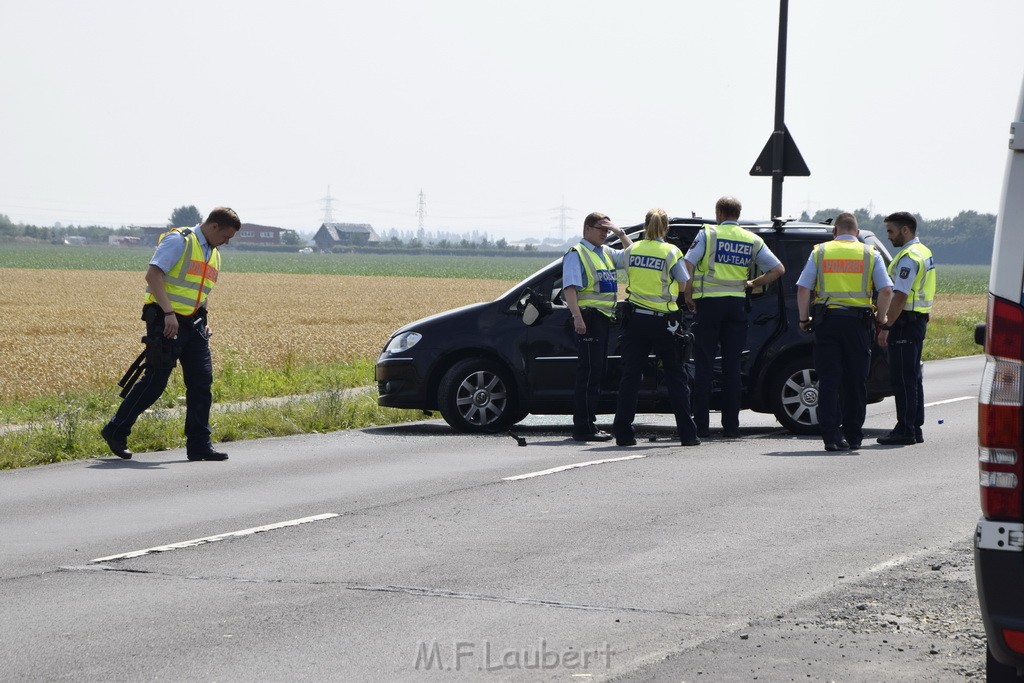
(402, 384)
(1000, 577)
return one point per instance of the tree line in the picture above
(965, 239)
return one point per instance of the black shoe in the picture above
(854, 445)
(210, 454)
(896, 439)
(118, 445)
(692, 442)
(731, 433)
(837, 446)
(596, 436)
(625, 442)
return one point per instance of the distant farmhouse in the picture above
(343, 235)
(250, 233)
(150, 233)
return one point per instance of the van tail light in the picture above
(1014, 639)
(1001, 413)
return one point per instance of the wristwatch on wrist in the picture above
(166, 313)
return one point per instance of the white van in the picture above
(999, 542)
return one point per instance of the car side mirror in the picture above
(532, 307)
(979, 334)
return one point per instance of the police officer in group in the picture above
(591, 289)
(719, 262)
(650, 320)
(913, 274)
(181, 275)
(841, 274)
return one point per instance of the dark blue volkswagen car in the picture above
(487, 366)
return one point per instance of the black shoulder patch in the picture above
(904, 273)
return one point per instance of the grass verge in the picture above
(74, 436)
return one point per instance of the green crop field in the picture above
(956, 279)
(73, 257)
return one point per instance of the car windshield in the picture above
(519, 285)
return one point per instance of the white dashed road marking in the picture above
(950, 400)
(563, 468)
(214, 539)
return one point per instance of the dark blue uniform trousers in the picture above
(842, 357)
(906, 339)
(641, 334)
(592, 351)
(720, 322)
(192, 350)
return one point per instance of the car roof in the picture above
(777, 227)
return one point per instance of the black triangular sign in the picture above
(793, 163)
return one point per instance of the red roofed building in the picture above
(250, 233)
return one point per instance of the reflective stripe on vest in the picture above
(602, 288)
(729, 251)
(188, 286)
(844, 273)
(922, 292)
(649, 264)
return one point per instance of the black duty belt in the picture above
(844, 312)
(647, 311)
(911, 315)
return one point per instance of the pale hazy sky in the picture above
(115, 112)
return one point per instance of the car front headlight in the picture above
(402, 342)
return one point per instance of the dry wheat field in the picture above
(68, 330)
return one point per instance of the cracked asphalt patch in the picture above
(917, 621)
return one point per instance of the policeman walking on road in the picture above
(719, 261)
(591, 289)
(181, 274)
(913, 274)
(650, 321)
(841, 274)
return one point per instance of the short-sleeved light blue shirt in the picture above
(764, 258)
(905, 271)
(573, 274)
(172, 247)
(809, 275)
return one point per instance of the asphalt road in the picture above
(415, 553)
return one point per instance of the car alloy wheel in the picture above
(794, 397)
(475, 396)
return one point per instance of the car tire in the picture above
(793, 396)
(997, 672)
(476, 395)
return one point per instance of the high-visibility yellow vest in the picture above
(844, 273)
(649, 264)
(192, 278)
(922, 292)
(602, 288)
(729, 251)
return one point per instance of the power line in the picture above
(328, 200)
(563, 218)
